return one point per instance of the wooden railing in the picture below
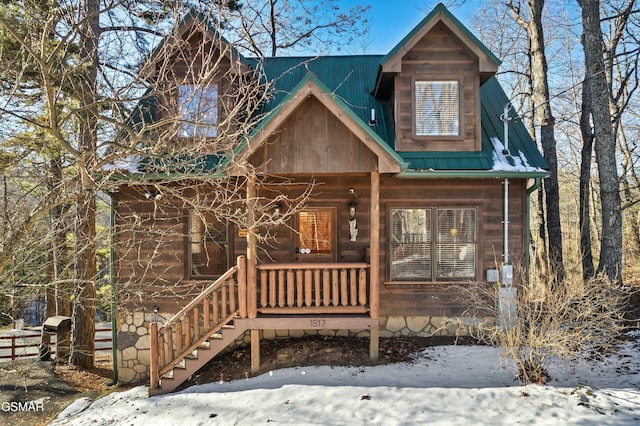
(215, 307)
(27, 344)
(302, 288)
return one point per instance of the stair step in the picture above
(198, 358)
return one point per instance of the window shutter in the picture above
(437, 108)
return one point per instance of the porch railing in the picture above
(215, 307)
(302, 288)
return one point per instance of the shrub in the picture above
(539, 322)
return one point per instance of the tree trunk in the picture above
(59, 292)
(605, 144)
(84, 309)
(547, 137)
(586, 253)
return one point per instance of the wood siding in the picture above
(151, 244)
(439, 55)
(314, 140)
(487, 196)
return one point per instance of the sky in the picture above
(444, 385)
(391, 20)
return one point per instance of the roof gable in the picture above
(191, 23)
(488, 62)
(388, 160)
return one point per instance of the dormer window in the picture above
(437, 108)
(198, 110)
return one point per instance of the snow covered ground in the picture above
(447, 385)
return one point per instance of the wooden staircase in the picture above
(194, 361)
(279, 296)
(199, 332)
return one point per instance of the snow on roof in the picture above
(128, 164)
(504, 161)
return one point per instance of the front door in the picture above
(316, 235)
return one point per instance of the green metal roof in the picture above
(351, 80)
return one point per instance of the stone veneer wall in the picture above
(133, 337)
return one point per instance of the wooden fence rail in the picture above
(20, 344)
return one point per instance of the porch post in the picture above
(252, 291)
(242, 286)
(153, 364)
(374, 250)
(255, 351)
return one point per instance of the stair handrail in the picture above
(156, 370)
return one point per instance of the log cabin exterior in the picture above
(404, 208)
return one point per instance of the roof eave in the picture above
(471, 174)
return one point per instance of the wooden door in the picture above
(316, 235)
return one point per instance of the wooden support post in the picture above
(252, 289)
(374, 250)
(242, 286)
(153, 367)
(255, 351)
(374, 344)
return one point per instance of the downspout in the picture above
(505, 249)
(527, 225)
(507, 301)
(112, 281)
(505, 120)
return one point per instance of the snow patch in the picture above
(509, 163)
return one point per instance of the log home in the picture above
(417, 191)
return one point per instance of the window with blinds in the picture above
(198, 110)
(433, 244)
(437, 108)
(209, 246)
(456, 244)
(315, 231)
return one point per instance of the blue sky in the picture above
(391, 20)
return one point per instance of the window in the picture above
(315, 234)
(437, 108)
(433, 244)
(198, 110)
(209, 246)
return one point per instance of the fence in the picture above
(27, 344)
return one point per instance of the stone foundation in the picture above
(133, 346)
(133, 337)
(422, 326)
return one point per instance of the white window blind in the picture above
(437, 108)
(198, 110)
(411, 244)
(433, 244)
(456, 244)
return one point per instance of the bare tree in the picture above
(104, 125)
(605, 142)
(542, 105)
(274, 27)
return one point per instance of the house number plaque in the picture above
(317, 323)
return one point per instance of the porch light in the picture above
(352, 210)
(277, 211)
